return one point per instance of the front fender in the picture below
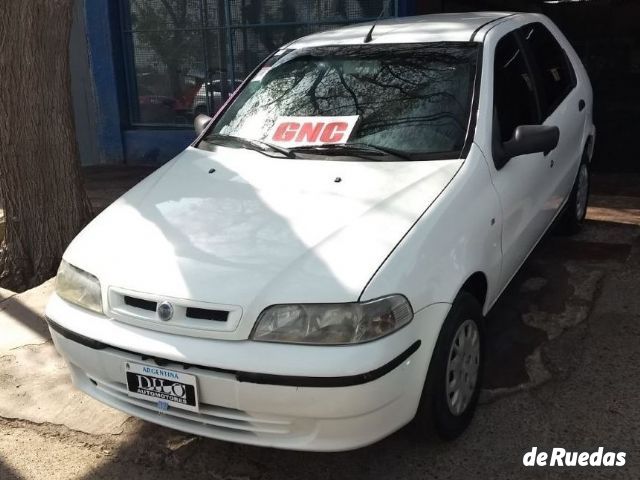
(458, 235)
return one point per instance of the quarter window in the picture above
(513, 92)
(556, 75)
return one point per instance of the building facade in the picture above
(143, 69)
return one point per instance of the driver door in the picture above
(524, 182)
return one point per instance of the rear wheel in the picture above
(576, 208)
(453, 382)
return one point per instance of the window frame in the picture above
(496, 139)
(536, 71)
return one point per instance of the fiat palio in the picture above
(314, 270)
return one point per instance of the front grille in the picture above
(205, 314)
(140, 303)
(190, 317)
(191, 312)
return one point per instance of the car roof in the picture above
(441, 27)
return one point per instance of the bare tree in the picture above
(40, 182)
(260, 12)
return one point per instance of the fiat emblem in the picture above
(165, 311)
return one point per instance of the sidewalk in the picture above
(563, 372)
(34, 382)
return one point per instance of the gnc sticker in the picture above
(297, 131)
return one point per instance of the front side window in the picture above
(413, 98)
(513, 91)
(556, 75)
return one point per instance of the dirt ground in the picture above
(563, 371)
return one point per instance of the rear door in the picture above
(561, 106)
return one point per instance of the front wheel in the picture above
(453, 382)
(576, 208)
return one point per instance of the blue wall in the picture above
(117, 141)
(100, 41)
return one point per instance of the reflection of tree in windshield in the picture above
(414, 98)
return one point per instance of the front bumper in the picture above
(257, 407)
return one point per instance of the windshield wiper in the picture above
(352, 148)
(257, 145)
(385, 150)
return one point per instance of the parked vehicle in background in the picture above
(217, 96)
(160, 101)
(313, 272)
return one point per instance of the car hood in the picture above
(239, 228)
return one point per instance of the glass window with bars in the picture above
(185, 57)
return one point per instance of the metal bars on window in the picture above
(184, 57)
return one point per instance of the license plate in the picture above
(167, 388)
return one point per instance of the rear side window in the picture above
(513, 95)
(556, 75)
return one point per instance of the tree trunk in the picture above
(40, 182)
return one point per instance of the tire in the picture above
(438, 412)
(575, 211)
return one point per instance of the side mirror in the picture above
(530, 139)
(201, 122)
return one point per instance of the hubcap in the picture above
(582, 193)
(462, 367)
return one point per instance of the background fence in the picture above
(184, 57)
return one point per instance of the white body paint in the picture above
(265, 231)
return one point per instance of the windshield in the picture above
(409, 98)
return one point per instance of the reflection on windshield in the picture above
(413, 98)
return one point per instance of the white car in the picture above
(312, 273)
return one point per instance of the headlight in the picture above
(78, 287)
(333, 323)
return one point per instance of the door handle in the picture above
(581, 105)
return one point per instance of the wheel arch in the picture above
(477, 285)
(589, 146)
